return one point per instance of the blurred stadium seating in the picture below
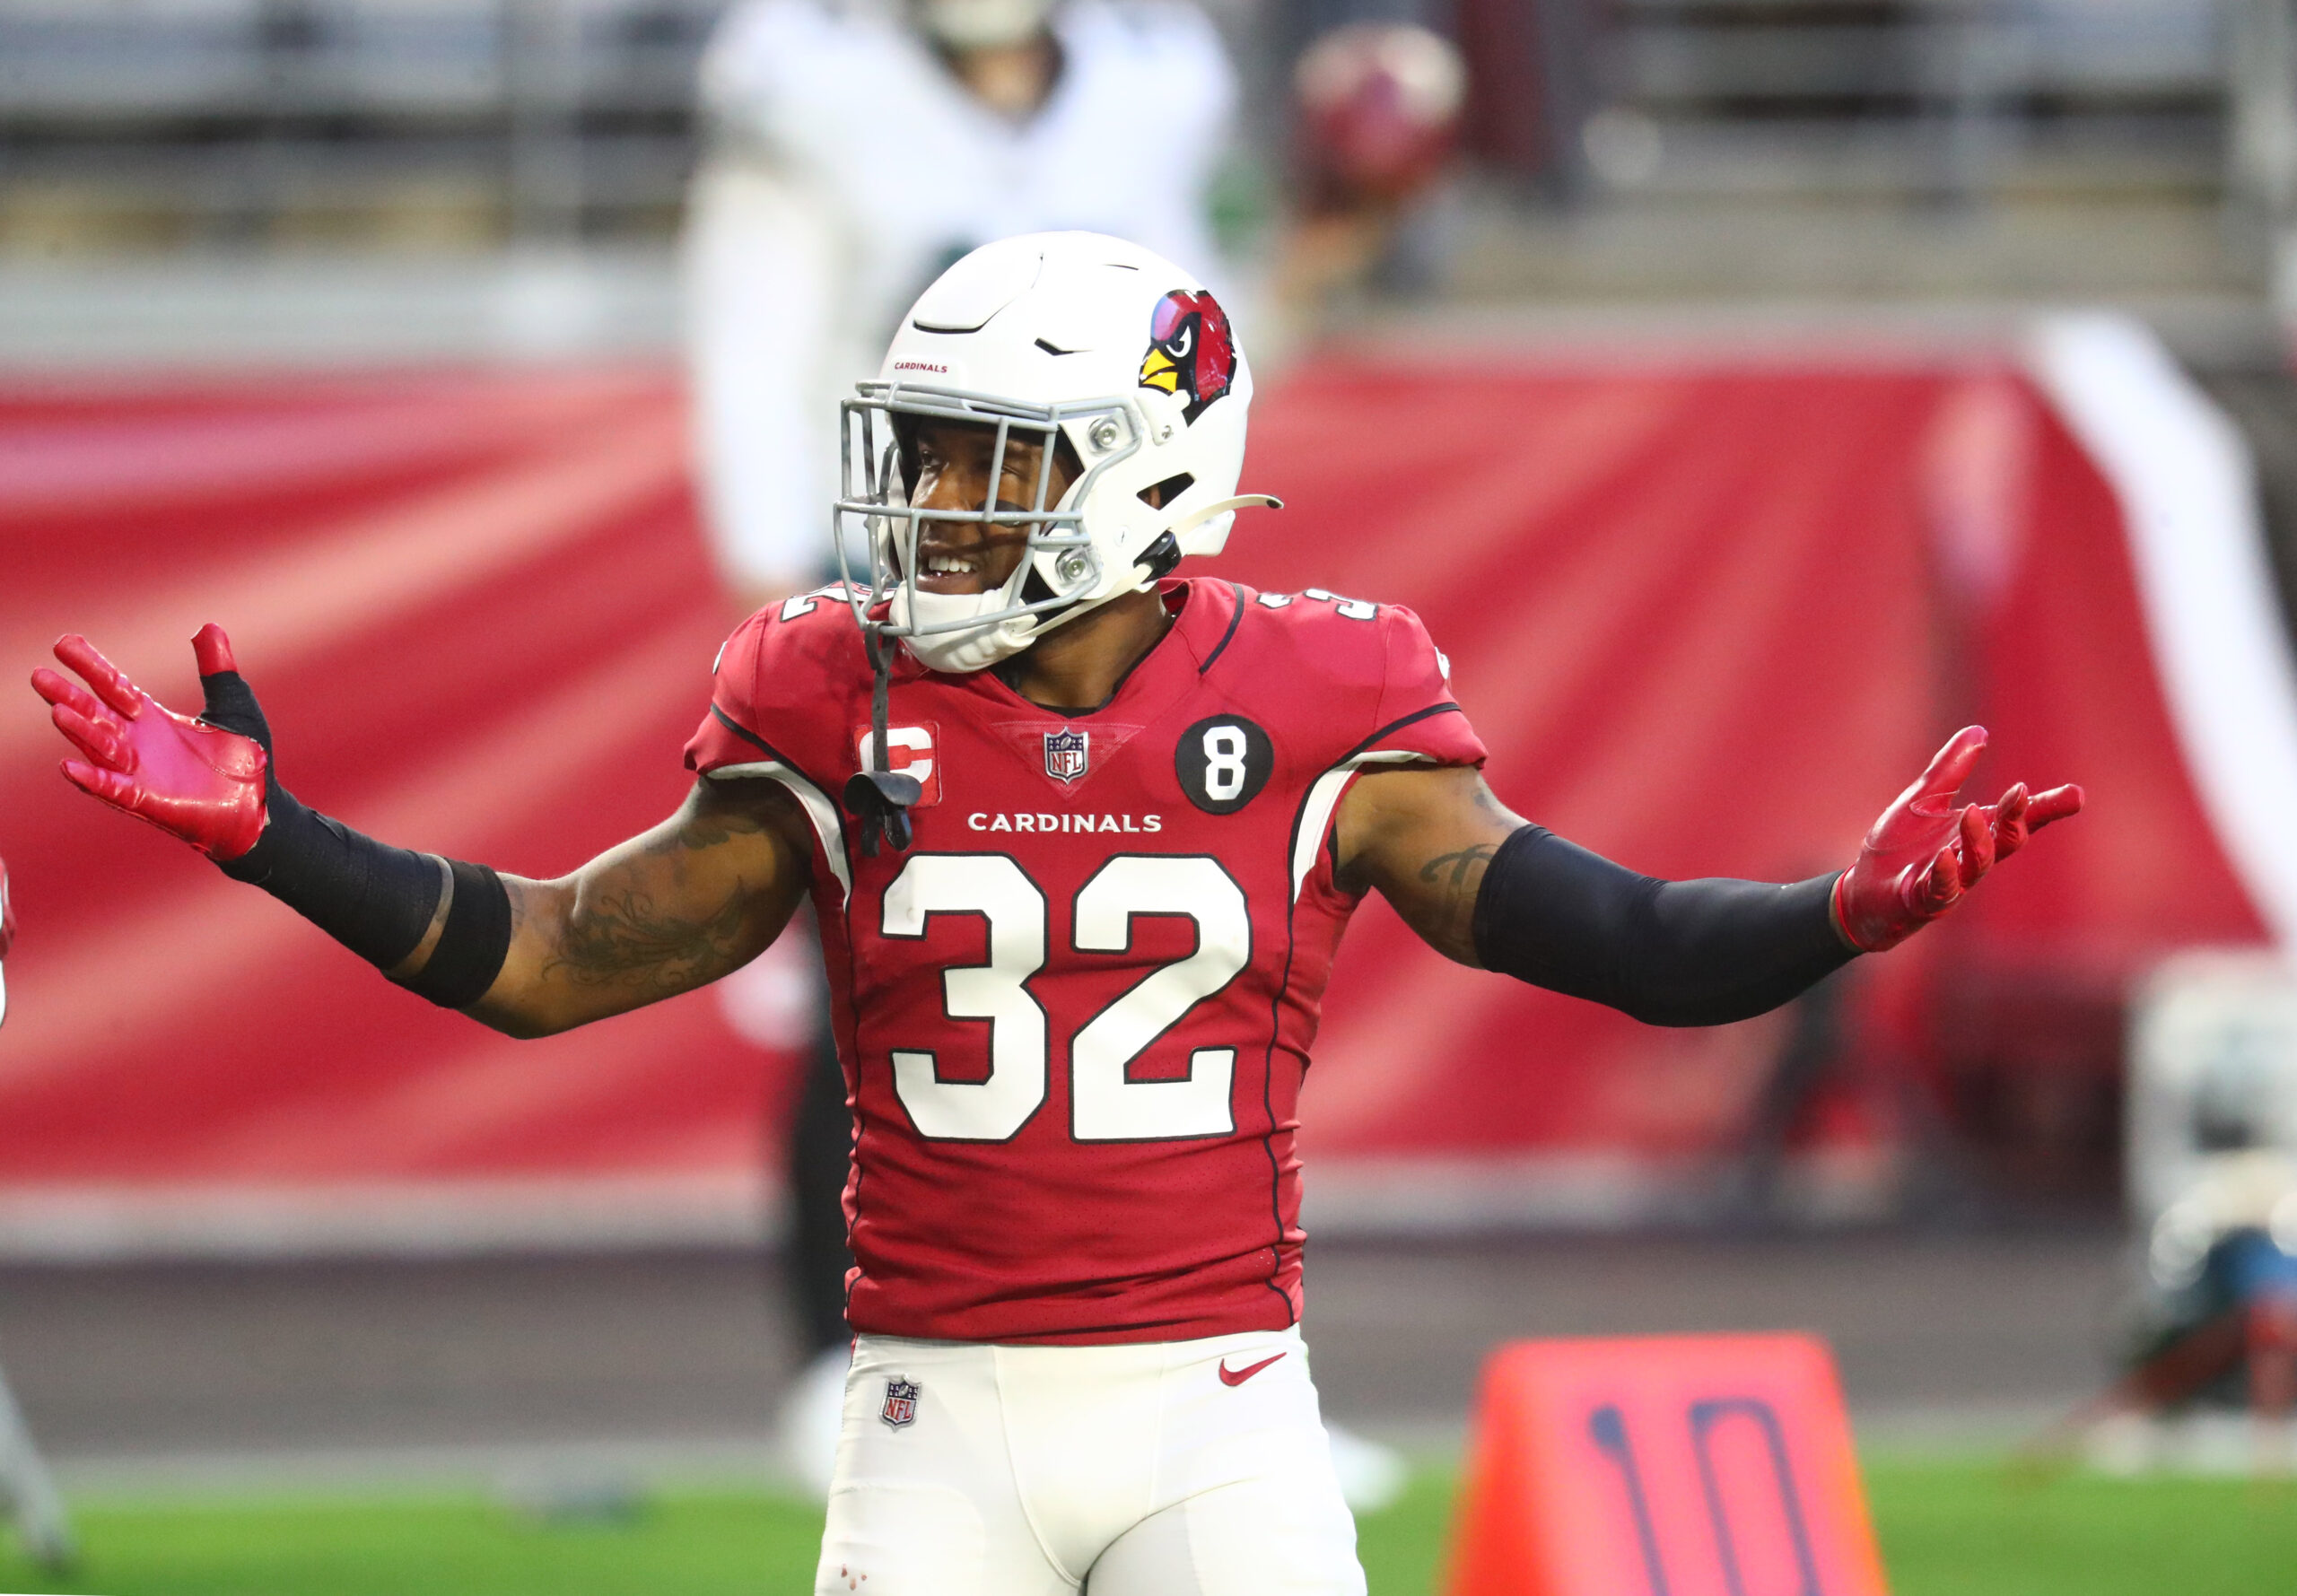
(345, 122)
(1859, 147)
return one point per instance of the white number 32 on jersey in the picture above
(1104, 1105)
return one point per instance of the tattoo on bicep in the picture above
(1457, 876)
(700, 831)
(621, 935)
(624, 939)
(1462, 868)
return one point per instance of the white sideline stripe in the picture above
(1323, 797)
(433, 1219)
(522, 1473)
(2188, 490)
(1372, 1195)
(1343, 1195)
(818, 806)
(1376, 1195)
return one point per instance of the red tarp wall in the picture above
(1707, 618)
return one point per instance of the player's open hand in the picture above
(192, 779)
(1926, 852)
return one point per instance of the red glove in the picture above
(190, 778)
(1924, 853)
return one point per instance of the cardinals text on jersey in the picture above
(1075, 1013)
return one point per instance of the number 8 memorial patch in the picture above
(1223, 763)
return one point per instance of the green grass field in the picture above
(1948, 1529)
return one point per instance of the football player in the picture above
(855, 148)
(1082, 836)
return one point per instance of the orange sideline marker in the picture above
(1663, 1466)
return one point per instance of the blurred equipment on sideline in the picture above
(2209, 1338)
(2213, 1100)
(2212, 1180)
(24, 1480)
(31, 1495)
(1684, 1464)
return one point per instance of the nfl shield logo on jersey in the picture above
(1065, 752)
(901, 1402)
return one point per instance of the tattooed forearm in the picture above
(626, 940)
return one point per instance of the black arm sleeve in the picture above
(378, 900)
(1669, 953)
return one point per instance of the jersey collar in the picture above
(1202, 614)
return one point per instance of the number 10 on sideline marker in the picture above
(1663, 1466)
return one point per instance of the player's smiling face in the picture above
(954, 463)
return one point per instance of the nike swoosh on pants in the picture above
(1229, 1376)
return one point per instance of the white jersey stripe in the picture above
(818, 806)
(1323, 797)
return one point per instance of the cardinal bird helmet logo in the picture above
(1189, 350)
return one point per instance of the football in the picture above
(1379, 110)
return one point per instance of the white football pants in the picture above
(1135, 1470)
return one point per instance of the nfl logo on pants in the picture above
(901, 1402)
(1065, 752)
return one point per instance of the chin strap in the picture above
(878, 798)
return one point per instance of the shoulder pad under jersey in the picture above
(783, 685)
(1369, 670)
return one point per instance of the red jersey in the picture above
(1074, 1015)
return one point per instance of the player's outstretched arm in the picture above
(672, 909)
(681, 905)
(1485, 888)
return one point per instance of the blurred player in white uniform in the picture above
(856, 148)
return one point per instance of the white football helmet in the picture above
(1050, 336)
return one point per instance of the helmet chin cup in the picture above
(933, 627)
